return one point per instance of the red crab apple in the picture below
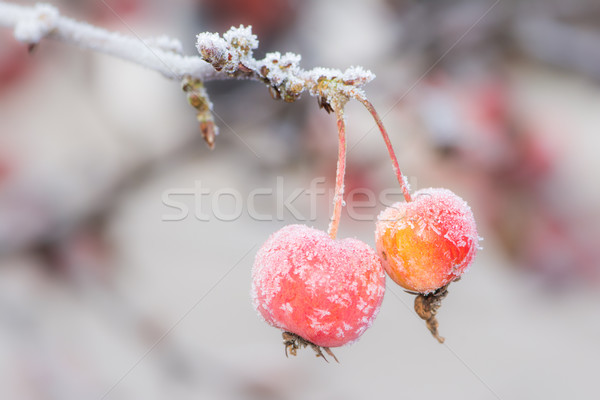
(324, 291)
(427, 243)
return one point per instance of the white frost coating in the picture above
(358, 73)
(373, 289)
(361, 304)
(342, 299)
(272, 58)
(318, 72)
(315, 324)
(291, 60)
(348, 82)
(362, 330)
(301, 270)
(283, 68)
(321, 313)
(211, 45)
(405, 182)
(287, 307)
(166, 43)
(353, 286)
(228, 52)
(294, 81)
(242, 37)
(37, 24)
(479, 246)
(270, 291)
(211, 40)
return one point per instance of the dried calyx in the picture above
(293, 342)
(426, 307)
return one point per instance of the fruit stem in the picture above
(401, 178)
(338, 198)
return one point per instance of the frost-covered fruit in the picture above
(427, 243)
(326, 291)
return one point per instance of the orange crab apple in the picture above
(426, 243)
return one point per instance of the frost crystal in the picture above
(291, 60)
(322, 313)
(166, 43)
(358, 74)
(282, 73)
(242, 38)
(406, 184)
(322, 73)
(216, 51)
(287, 307)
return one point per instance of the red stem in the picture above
(338, 198)
(388, 144)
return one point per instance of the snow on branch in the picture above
(31, 24)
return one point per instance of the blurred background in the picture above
(103, 297)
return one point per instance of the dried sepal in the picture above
(323, 103)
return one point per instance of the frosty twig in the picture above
(32, 24)
(226, 57)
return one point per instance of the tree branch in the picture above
(226, 57)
